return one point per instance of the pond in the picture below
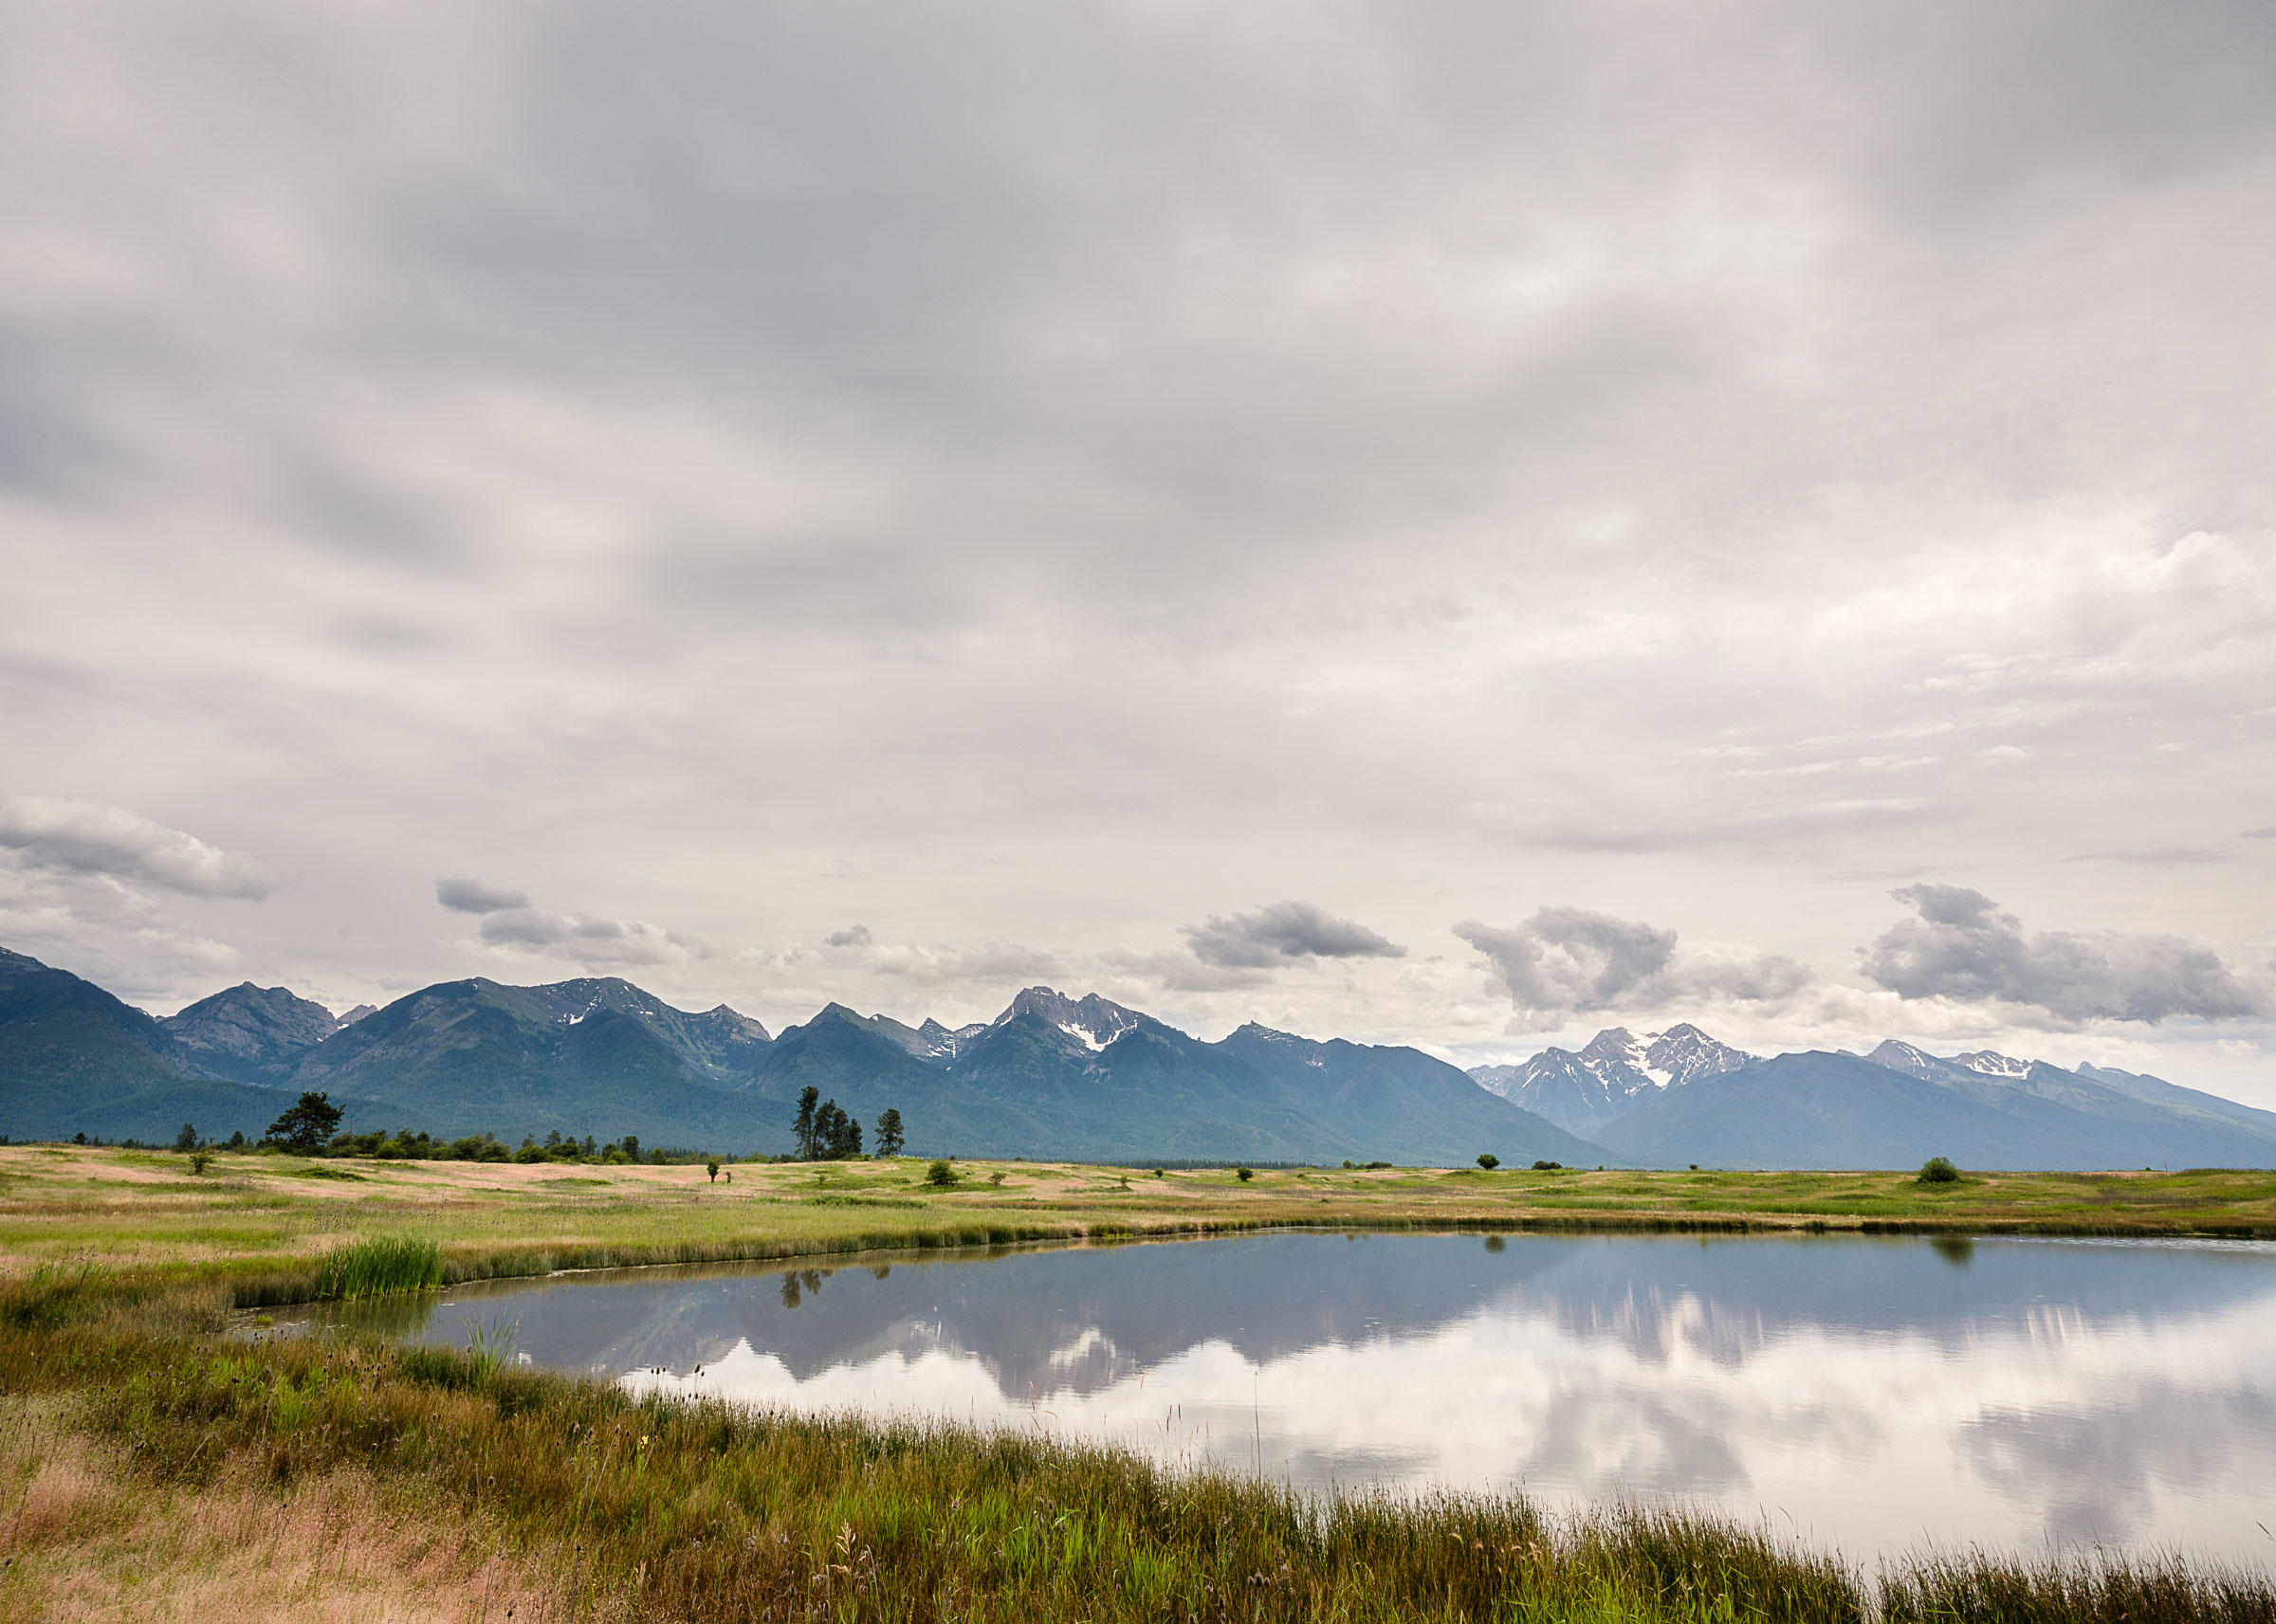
(1870, 1394)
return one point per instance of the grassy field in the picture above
(142, 1213)
(153, 1466)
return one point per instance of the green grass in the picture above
(377, 1268)
(697, 1511)
(676, 1510)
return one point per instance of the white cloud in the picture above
(1964, 947)
(85, 838)
(1566, 962)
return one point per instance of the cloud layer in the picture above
(1050, 474)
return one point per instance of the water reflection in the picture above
(1870, 1392)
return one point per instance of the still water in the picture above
(1869, 1393)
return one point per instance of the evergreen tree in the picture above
(186, 1138)
(308, 1124)
(888, 1133)
(803, 1128)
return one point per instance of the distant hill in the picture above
(75, 1059)
(1895, 1107)
(598, 1057)
(1051, 1076)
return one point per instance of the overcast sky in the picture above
(1448, 523)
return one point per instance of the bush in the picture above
(1938, 1169)
(1548, 1167)
(1489, 1162)
(940, 1175)
(200, 1159)
(1244, 1174)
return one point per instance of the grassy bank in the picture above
(154, 1463)
(270, 1218)
(584, 1503)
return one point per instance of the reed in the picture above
(378, 1265)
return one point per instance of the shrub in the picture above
(1548, 1167)
(1489, 1162)
(1244, 1174)
(1938, 1169)
(940, 1175)
(200, 1159)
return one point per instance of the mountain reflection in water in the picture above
(1872, 1393)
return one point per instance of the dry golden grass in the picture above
(85, 1538)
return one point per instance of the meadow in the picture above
(161, 1458)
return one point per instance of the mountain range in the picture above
(1056, 1076)
(1051, 1076)
(1680, 1096)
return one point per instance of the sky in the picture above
(1424, 522)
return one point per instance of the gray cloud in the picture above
(1283, 933)
(467, 896)
(1567, 961)
(84, 837)
(853, 936)
(1963, 947)
(2267, 833)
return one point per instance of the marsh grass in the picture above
(648, 1508)
(378, 1266)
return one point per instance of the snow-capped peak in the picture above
(1616, 1048)
(1091, 1020)
(1992, 1064)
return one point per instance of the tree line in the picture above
(827, 1132)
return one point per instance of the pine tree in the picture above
(888, 1133)
(308, 1124)
(803, 1128)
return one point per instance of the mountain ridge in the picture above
(1051, 1075)
(1989, 1109)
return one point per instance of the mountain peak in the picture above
(1992, 1064)
(248, 1034)
(1091, 1021)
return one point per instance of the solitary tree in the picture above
(803, 1127)
(888, 1133)
(307, 1124)
(186, 1138)
(712, 1168)
(1489, 1162)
